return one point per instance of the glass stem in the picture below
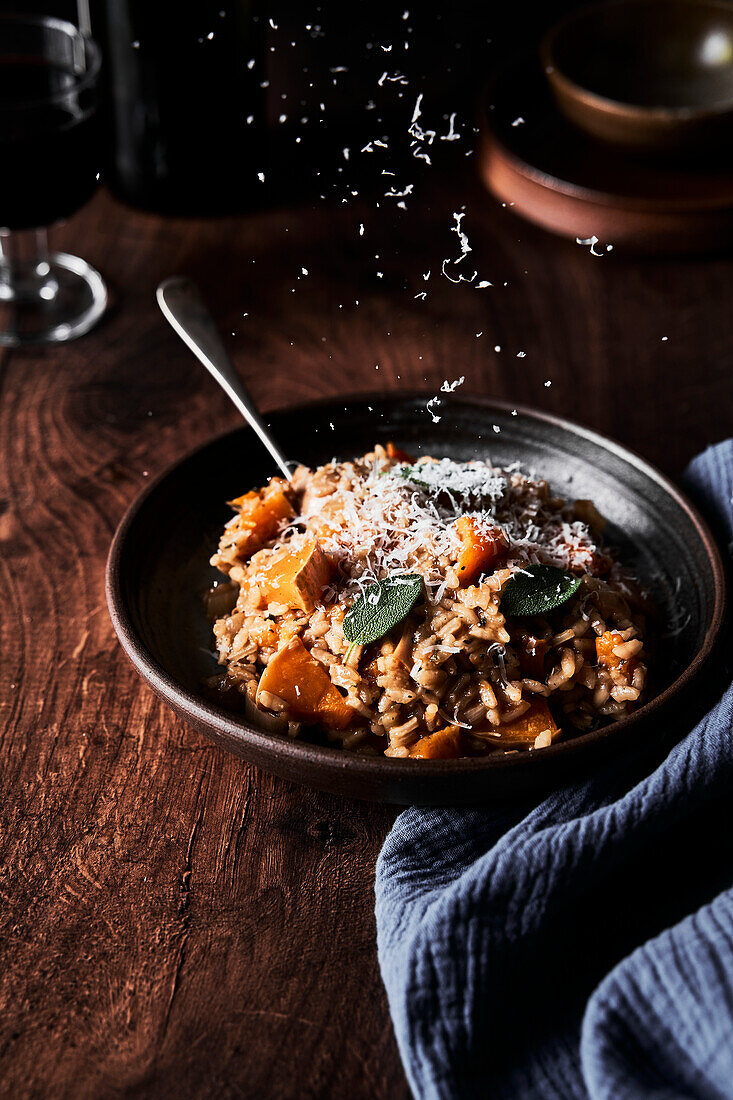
(25, 271)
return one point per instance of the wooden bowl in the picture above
(158, 570)
(649, 75)
(535, 161)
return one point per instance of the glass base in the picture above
(80, 299)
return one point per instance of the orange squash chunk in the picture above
(303, 683)
(295, 577)
(526, 729)
(260, 514)
(482, 549)
(398, 455)
(445, 744)
(605, 645)
(523, 730)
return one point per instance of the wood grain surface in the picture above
(172, 922)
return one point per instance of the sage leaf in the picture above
(540, 589)
(380, 607)
(407, 473)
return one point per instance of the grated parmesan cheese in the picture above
(378, 518)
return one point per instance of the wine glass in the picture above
(50, 151)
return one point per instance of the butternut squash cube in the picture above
(529, 726)
(260, 514)
(304, 684)
(445, 744)
(397, 454)
(295, 577)
(482, 549)
(605, 646)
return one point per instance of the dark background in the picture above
(173, 923)
(446, 50)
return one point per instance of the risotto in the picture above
(425, 608)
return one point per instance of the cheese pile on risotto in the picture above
(424, 608)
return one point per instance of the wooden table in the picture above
(172, 922)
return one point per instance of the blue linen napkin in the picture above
(582, 947)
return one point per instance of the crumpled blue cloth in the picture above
(582, 947)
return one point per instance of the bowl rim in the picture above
(206, 715)
(623, 109)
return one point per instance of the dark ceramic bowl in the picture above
(651, 75)
(158, 570)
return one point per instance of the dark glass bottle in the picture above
(184, 100)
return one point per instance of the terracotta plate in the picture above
(559, 178)
(158, 569)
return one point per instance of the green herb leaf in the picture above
(408, 473)
(545, 589)
(380, 607)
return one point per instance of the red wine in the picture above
(49, 142)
